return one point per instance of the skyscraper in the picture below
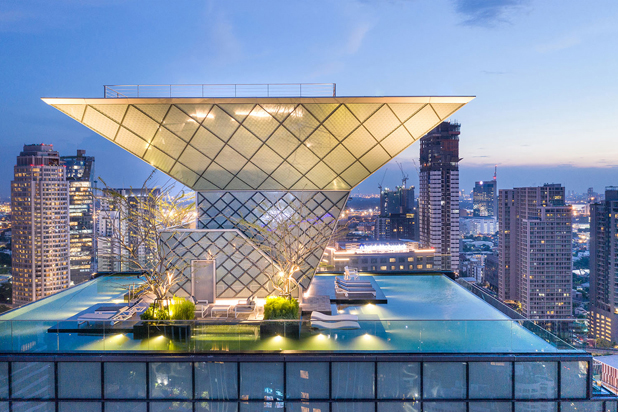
(114, 228)
(485, 199)
(398, 218)
(508, 285)
(535, 250)
(80, 175)
(604, 267)
(40, 224)
(438, 207)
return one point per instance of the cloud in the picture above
(489, 72)
(487, 13)
(222, 35)
(356, 37)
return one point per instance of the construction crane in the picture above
(404, 176)
(382, 181)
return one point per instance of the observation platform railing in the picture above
(495, 336)
(220, 90)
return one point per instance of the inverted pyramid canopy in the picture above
(264, 143)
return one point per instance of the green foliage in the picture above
(279, 307)
(181, 309)
(178, 309)
(154, 313)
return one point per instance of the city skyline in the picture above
(532, 97)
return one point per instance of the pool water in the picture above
(424, 314)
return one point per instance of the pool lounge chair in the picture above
(245, 306)
(355, 292)
(353, 283)
(317, 316)
(201, 306)
(350, 273)
(343, 325)
(94, 317)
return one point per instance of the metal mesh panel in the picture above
(241, 269)
(226, 210)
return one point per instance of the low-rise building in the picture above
(402, 256)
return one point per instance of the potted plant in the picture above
(155, 320)
(284, 312)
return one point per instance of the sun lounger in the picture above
(353, 282)
(94, 317)
(317, 316)
(350, 273)
(355, 292)
(335, 325)
(245, 306)
(201, 306)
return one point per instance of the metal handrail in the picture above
(120, 91)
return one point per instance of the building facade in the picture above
(398, 218)
(535, 250)
(114, 233)
(80, 175)
(378, 257)
(604, 267)
(478, 225)
(485, 198)
(438, 202)
(492, 263)
(40, 224)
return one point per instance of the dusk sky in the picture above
(545, 73)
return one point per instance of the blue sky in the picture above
(544, 72)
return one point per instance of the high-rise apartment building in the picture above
(114, 234)
(485, 198)
(80, 175)
(438, 204)
(535, 250)
(604, 267)
(508, 285)
(398, 217)
(40, 224)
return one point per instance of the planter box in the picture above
(287, 329)
(149, 329)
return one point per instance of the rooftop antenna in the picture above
(495, 172)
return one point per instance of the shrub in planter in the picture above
(279, 307)
(178, 309)
(181, 309)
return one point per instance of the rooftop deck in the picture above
(424, 314)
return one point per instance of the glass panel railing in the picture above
(399, 336)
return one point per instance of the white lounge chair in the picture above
(355, 292)
(350, 273)
(245, 306)
(344, 325)
(332, 318)
(94, 317)
(201, 306)
(344, 282)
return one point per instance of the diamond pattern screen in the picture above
(241, 268)
(227, 210)
(264, 146)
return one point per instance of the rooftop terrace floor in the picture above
(424, 314)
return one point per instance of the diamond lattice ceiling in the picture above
(264, 143)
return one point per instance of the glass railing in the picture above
(231, 335)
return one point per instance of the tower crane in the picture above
(382, 181)
(404, 176)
